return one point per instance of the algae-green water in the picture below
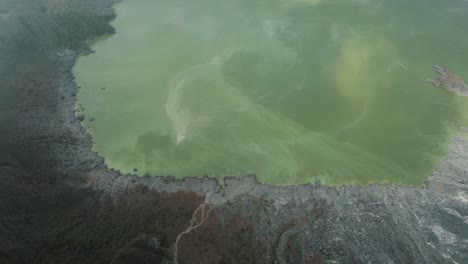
(291, 90)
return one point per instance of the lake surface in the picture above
(291, 90)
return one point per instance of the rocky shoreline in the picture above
(60, 204)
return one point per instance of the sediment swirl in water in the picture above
(291, 90)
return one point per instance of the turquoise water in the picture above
(290, 90)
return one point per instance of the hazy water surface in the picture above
(291, 90)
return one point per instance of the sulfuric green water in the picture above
(291, 90)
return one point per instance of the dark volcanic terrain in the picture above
(60, 204)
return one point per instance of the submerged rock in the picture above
(449, 81)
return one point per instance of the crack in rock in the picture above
(194, 224)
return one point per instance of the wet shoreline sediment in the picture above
(60, 203)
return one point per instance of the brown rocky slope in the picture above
(60, 204)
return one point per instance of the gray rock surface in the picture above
(449, 81)
(59, 203)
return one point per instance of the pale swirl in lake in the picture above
(291, 90)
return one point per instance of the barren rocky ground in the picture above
(60, 204)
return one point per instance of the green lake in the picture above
(291, 90)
